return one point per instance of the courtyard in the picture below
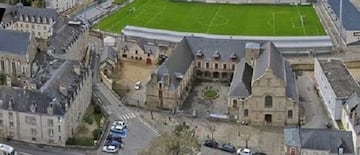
(207, 97)
(126, 74)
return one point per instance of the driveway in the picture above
(310, 103)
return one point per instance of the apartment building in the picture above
(60, 5)
(50, 107)
(37, 21)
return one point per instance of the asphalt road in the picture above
(139, 132)
(28, 149)
(210, 151)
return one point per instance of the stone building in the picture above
(299, 141)
(139, 50)
(169, 85)
(17, 52)
(37, 21)
(263, 89)
(50, 107)
(60, 5)
(70, 40)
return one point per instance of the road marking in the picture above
(156, 132)
(133, 115)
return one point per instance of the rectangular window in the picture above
(207, 65)
(199, 64)
(11, 115)
(1, 115)
(59, 128)
(51, 133)
(224, 66)
(1, 122)
(290, 114)
(33, 132)
(11, 125)
(33, 26)
(233, 67)
(30, 120)
(216, 66)
(51, 122)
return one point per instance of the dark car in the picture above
(228, 148)
(259, 153)
(211, 143)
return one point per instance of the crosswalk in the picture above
(127, 116)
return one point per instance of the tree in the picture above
(37, 3)
(178, 142)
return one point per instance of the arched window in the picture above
(268, 101)
(246, 113)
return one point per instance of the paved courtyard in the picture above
(196, 101)
(131, 72)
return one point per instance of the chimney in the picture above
(166, 79)
(63, 89)
(76, 69)
(252, 51)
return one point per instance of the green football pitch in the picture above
(256, 20)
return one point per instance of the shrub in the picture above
(89, 119)
(97, 133)
(97, 109)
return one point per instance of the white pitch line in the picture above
(273, 22)
(212, 20)
(302, 25)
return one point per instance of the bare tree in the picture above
(212, 128)
(180, 141)
(246, 134)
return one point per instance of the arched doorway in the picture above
(268, 119)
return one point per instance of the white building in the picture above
(60, 5)
(335, 84)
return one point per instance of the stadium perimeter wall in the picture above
(292, 46)
(249, 1)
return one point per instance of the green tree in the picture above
(2, 78)
(37, 3)
(178, 142)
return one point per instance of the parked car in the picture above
(244, 151)
(110, 148)
(228, 148)
(211, 143)
(120, 123)
(138, 85)
(111, 138)
(118, 133)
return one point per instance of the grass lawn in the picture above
(257, 20)
(210, 93)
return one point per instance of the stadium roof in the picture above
(351, 15)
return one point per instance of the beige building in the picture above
(139, 50)
(37, 21)
(60, 5)
(17, 52)
(169, 85)
(108, 61)
(47, 113)
(263, 89)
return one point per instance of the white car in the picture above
(110, 149)
(244, 151)
(118, 125)
(137, 85)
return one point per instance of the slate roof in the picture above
(343, 85)
(241, 83)
(65, 35)
(270, 58)
(351, 15)
(326, 139)
(142, 43)
(178, 62)
(292, 137)
(35, 12)
(225, 47)
(63, 73)
(108, 53)
(14, 42)
(291, 87)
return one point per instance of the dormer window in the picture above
(199, 53)
(216, 55)
(44, 20)
(32, 19)
(233, 56)
(38, 19)
(179, 76)
(21, 17)
(26, 18)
